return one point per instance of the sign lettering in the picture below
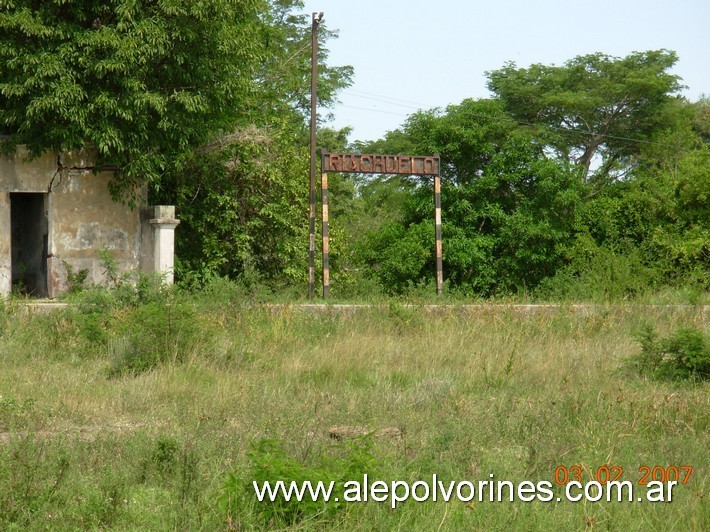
(380, 164)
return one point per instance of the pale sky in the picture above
(417, 54)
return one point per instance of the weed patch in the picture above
(685, 354)
(269, 462)
(154, 334)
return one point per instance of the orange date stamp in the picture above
(613, 473)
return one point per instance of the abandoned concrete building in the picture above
(56, 214)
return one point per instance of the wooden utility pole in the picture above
(316, 19)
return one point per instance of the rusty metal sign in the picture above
(380, 164)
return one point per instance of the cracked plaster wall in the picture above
(81, 214)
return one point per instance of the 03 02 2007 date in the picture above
(614, 473)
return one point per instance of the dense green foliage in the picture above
(240, 207)
(585, 181)
(269, 460)
(685, 354)
(242, 197)
(593, 106)
(146, 82)
(589, 180)
(504, 227)
(142, 82)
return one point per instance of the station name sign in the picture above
(380, 164)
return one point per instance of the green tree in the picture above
(586, 181)
(143, 82)
(205, 101)
(594, 107)
(284, 76)
(243, 196)
(644, 233)
(508, 208)
(242, 203)
(701, 118)
(467, 136)
(147, 82)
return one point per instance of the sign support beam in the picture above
(326, 238)
(382, 164)
(437, 230)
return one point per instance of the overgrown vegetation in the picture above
(146, 84)
(586, 181)
(239, 393)
(269, 461)
(582, 181)
(146, 407)
(685, 354)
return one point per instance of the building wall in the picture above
(82, 217)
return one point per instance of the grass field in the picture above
(125, 417)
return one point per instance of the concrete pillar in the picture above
(158, 240)
(5, 243)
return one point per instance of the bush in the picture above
(91, 313)
(271, 463)
(685, 354)
(599, 273)
(140, 320)
(152, 334)
(95, 308)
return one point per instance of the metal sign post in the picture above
(437, 234)
(326, 240)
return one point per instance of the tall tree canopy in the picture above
(284, 78)
(145, 82)
(242, 197)
(592, 106)
(532, 195)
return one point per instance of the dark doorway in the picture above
(29, 228)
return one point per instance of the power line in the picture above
(592, 134)
(372, 95)
(373, 110)
(385, 99)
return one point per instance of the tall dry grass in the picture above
(496, 390)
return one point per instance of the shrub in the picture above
(269, 462)
(75, 280)
(685, 354)
(97, 310)
(152, 334)
(91, 313)
(598, 273)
